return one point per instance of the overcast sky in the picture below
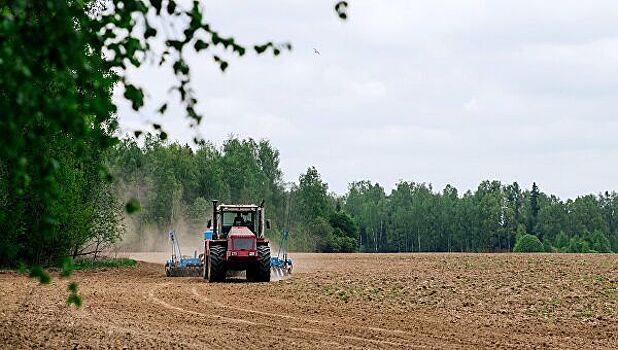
(446, 92)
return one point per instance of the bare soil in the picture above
(380, 301)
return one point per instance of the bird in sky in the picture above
(316, 51)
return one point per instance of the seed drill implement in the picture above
(281, 265)
(180, 265)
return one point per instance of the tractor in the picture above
(236, 243)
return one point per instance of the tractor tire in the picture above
(251, 274)
(216, 268)
(263, 265)
(205, 268)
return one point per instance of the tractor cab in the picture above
(241, 218)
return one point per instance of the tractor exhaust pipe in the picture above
(214, 219)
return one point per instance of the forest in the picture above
(173, 181)
(176, 183)
(172, 186)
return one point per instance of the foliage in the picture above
(578, 245)
(241, 171)
(60, 61)
(528, 243)
(345, 232)
(324, 235)
(414, 217)
(74, 297)
(548, 248)
(521, 231)
(562, 241)
(186, 180)
(534, 209)
(346, 244)
(55, 93)
(599, 242)
(312, 195)
(37, 272)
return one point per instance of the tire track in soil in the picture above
(402, 336)
(340, 340)
(223, 344)
(136, 332)
(303, 320)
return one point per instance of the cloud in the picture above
(443, 91)
(472, 106)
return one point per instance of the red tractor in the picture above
(237, 243)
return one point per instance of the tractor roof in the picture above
(240, 232)
(238, 207)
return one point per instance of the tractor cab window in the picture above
(247, 219)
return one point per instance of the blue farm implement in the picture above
(281, 265)
(180, 265)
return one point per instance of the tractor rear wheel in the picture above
(250, 274)
(263, 265)
(204, 266)
(215, 268)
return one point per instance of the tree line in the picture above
(416, 218)
(176, 183)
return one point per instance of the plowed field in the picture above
(385, 301)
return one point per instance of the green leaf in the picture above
(105, 174)
(37, 271)
(150, 32)
(222, 64)
(135, 95)
(75, 300)
(22, 268)
(163, 136)
(157, 4)
(132, 206)
(180, 67)
(261, 48)
(72, 287)
(163, 108)
(176, 44)
(171, 6)
(200, 45)
(67, 267)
